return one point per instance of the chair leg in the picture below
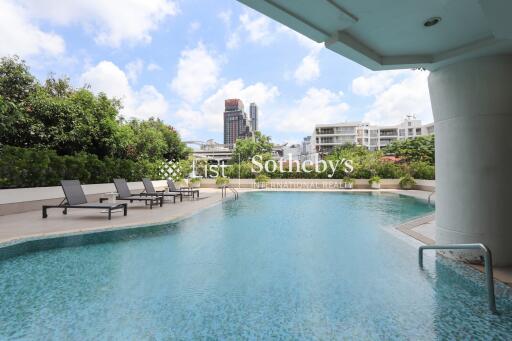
(65, 211)
(151, 204)
(45, 213)
(109, 214)
(161, 201)
(125, 208)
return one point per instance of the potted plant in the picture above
(407, 182)
(261, 180)
(221, 181)
(348, 182)
(194, 182)
(374, 182)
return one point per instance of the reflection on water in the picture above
(268, 266)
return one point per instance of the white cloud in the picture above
(108, 78)
(134, 69)
(303, 41)
(208, 115)
(154, 67)
(149, 102)
(316, 107)
(111, 22)
(404, 93)
(194, 26)
(374, 82)
(258, 28)
(19, 36)
(225, 17)
(197, 73)
(252, 26)
(308, 70)
(233, 41)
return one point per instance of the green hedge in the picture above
(383, 169)
(31, 167)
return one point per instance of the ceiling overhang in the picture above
(384, 35)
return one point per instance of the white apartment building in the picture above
(326, 137)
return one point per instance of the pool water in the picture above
(291, 266)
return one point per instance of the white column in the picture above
(472, 105)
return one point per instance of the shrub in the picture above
(407, 182)
(374, 179)
(348, 180)
(422, 170)
(32, 167)
(262, 179)
(221, 181)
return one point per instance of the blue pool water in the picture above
(285, 266)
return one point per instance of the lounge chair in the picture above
(149, 190)
(182, 190)
(75, 198)
(124, 194)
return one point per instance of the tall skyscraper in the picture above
(236, 123)
(253, 113)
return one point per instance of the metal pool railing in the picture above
(430, 197)
(224, 191)
(487, 260)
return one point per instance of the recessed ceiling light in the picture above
(431, 21)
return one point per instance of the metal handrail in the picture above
(235, 192)
(430, 196)
(224, 193)
(487, 260)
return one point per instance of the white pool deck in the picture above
(20, 227)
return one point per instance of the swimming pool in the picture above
(268, 266)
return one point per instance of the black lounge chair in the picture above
(123, 193)
(75, 198)
(182, 190)
(149, 190)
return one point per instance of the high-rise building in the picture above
(253, 113)
(236, 123)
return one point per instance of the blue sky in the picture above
(178, 60)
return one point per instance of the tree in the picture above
(245, 149)
(56, 116)
(421, 148)
(16, 82)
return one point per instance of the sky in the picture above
(179, 59)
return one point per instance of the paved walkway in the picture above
(424, 230)
(30, 225)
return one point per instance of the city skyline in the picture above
(178, 61)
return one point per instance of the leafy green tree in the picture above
(245, 149)
(57, 116)
(421, 148)
(16, 82)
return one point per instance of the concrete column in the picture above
(472, 105)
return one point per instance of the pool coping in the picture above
(86, 231)
(91, 231)
(501, 274)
